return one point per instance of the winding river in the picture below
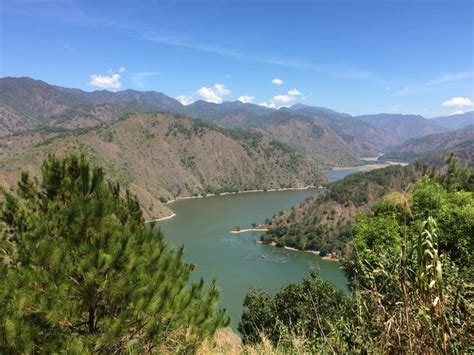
(236, 260)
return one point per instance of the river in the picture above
(236, 260)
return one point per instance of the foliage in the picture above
(81, 271)
(410, 269)
(310, 309)
(326, 221)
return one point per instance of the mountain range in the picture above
(27, 104)
(459, 142)
(162, 150)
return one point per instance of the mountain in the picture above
(455, 121)
(20, 99)
(402, 127)
(161, 156)
(315, 138)
(460, 142)
(149, 98)
(227, 114)
(27, 104)
(331, 138)
(349, 127)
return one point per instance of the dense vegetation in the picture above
(325, 223)
(410, 268)
(81, 271)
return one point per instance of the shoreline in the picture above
(245, 192)
(161, 219)
(308, 187)
(249, 230)
(315, 252)
(368, 167)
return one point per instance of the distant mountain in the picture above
(227, 114)
(27, 104)
(314, 137)
(455, 121)
(161, 156)
(402, 127)
(149, 98)
(330, 137)
(349, 127)
(460, 142)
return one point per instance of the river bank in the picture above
(368, 167)
(179, 198)
(316, 252)
(248, 230)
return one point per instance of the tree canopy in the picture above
(410, 269)
(82, 272)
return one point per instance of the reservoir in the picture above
(237, 261)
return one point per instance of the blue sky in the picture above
(351, 56)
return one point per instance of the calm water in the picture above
(338, 174)
(235, 260)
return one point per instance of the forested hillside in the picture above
(325, 222)
(410, 268)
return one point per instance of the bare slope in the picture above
(163, 156)
(460, 142)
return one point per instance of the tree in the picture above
(410, 268)
(82, 272)
(310, 309)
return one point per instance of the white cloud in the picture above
(294, 92)
(446, 78)
(458, 102)
(282, 100)
(277, 81)
(108, 82)
(246, 99)
(213, 94)
(268, 104)
(458, 112)
(185, 100)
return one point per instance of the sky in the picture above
(351, 56)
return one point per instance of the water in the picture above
(236, 260)
(338, 174)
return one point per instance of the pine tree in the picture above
(82, 272)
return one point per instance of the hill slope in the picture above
(349, 127)
(402, 127)
(163, 156)
(460, 141)
(456, 121)
(314, 138)
(324, 222)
